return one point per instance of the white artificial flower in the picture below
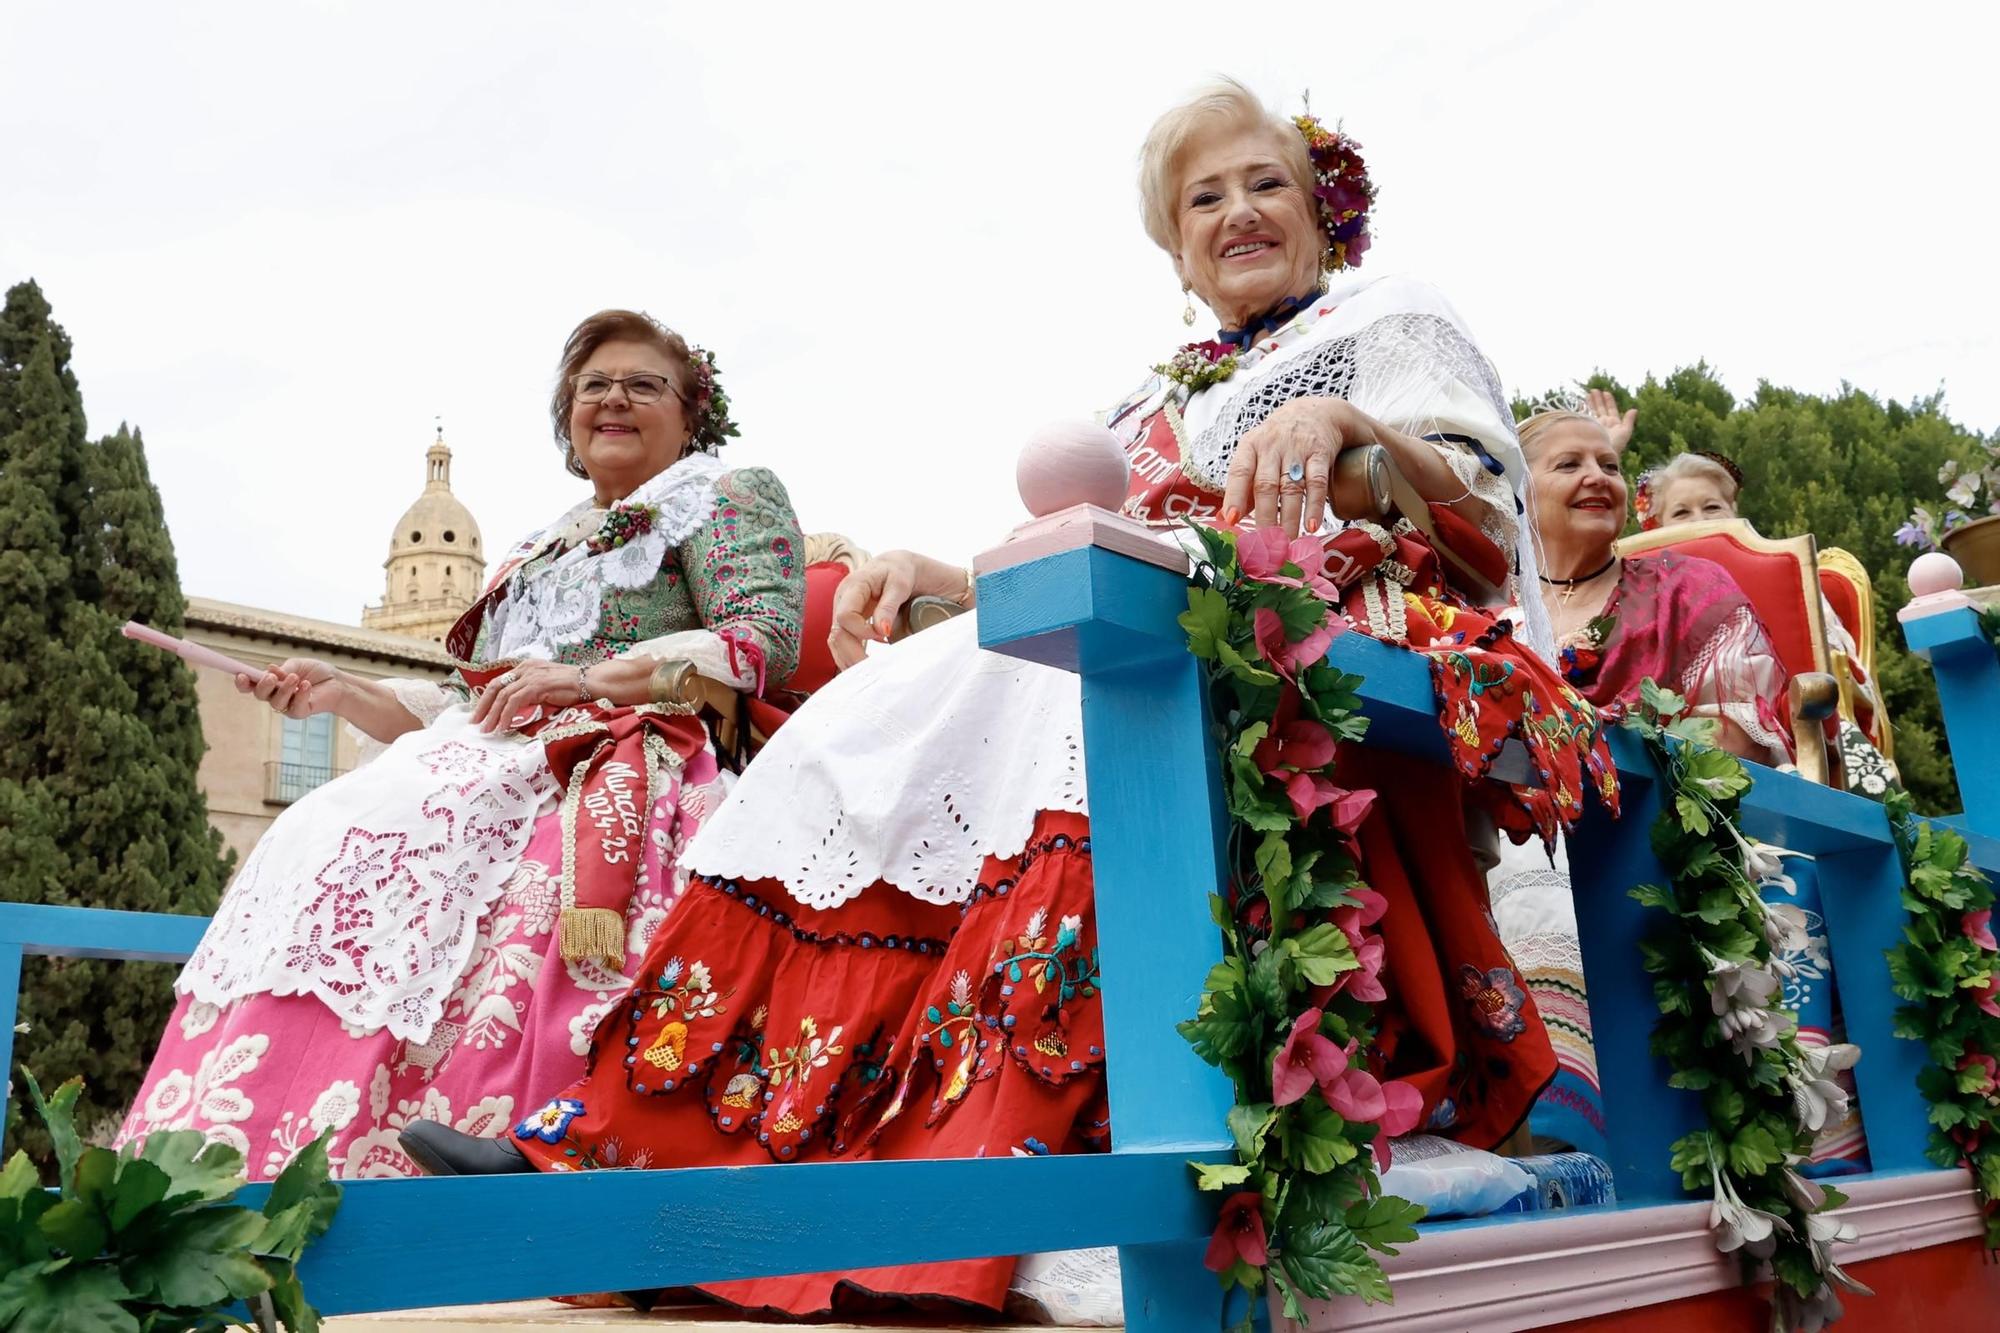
(1739, 985)
(1817, 1102)
(1808, 1196)
(1825, 1228)
(1964, 491)
(1737, 1225)
(1822, 1061)
(1785, 928)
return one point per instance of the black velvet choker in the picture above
(1269, 322)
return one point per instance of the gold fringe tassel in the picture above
(592, 932)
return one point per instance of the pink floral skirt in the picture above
(269, 1073)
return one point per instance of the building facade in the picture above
(257, 762)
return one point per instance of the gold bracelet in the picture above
(964, 599)
(670, 680)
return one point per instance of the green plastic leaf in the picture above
(1219, 1175)
(1652, 895)
(197, 1171)
(58, 1114)
(76, 1227)
(1206, 621)
(1253, 736)
(1754, 1150)
(141, 1185)
(1381, 1224)
(1273, 859)
(19, 1179)
(304, 1184)
(288, 1299)
(1313, 1139)
(204, 1261)
(64, 1297)
(1326, 1260)
(1323, 952)
(1249, 1124)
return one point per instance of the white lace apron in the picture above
(932, 755)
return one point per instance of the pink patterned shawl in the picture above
(1683, 621)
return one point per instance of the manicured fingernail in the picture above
(1230, 518)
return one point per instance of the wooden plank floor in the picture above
(551, 1317)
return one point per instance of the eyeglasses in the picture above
(592, 387)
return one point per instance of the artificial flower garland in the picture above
(1947, 971)
(1289, 1012)
(1724, 1028)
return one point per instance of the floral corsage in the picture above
(625, 523)
(1579, 661)
(1198, 365)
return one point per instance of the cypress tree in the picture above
(100, 738)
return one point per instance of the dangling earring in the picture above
(1187, 311)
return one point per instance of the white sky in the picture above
(285, 236)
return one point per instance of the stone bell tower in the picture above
(436, 565)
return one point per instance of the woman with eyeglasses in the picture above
(436, 934)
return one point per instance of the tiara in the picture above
(1341, 184)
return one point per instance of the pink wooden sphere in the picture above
(1070, 463)
(1934, 572)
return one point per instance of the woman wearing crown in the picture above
(889, 948)
(436, 934)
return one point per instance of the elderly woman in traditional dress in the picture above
(1674, 618)
(435, 935)
(845, 974)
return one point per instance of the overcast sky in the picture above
(287, 236)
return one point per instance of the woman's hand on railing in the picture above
(869, 600)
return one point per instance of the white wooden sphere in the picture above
(1934, 572)
(1070, 463)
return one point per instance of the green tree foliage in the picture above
(99, 736)
(1845, 468)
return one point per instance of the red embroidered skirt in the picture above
(764, 1031)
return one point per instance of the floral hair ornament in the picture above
(712, 426)
(1642, 490)
(1341, 184)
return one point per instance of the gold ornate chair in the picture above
(1781, 578)
(1852, 595)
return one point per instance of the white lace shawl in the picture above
(932, 755)
(563, 603)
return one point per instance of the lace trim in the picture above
(423, 700)
(830, 806)
(1724, 679)
(368, 892)
(561, 603)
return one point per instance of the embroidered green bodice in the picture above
(740, 571)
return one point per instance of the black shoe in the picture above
(443, 1151)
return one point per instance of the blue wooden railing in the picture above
(1155, 814)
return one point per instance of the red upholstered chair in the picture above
(1781, 579)
(1852, 596)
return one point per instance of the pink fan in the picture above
(192, 653)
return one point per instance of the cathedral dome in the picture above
(436, 564)
(438, 521)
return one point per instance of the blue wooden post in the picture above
(1607, 857)
(10, 1014)
(1155, 810)
(1968, 685)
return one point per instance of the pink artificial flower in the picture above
(1263, 554)
(1307, 1058)
(1300, 744)
(1365, 982)
(1987, 1063)
(1289, 657)
(1978, 927)
(1370, 905)
(1986, 991)
(1356, 1095)
(1405, 1109)
(1239, 1234)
